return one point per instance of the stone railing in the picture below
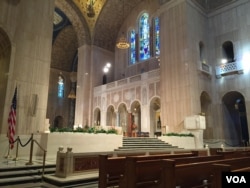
(228, 68)
(128, 81)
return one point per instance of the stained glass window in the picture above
(157, 36)
(144, 37)
(132, 47)
(60, 92)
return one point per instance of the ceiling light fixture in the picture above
(122, 42)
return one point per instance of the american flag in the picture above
(12, 120)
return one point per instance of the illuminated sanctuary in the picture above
(142, 67)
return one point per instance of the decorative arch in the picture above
(135, 116)
(235, 119)
(155, 116)
(77, 20)
(123, 117)
(111, 117)
(97, 116)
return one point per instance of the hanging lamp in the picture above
(122, 42)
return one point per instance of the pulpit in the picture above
(196, 124)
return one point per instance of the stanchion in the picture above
(31, 151)
(17, 146)
(8, 155)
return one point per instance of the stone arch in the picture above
(155, 116)
(97, 116)
(205, 102)
(235, 119)
(136, 115)
(77, 20)
(5, 55)
(58, 122)
(111, 117)
(123, 117)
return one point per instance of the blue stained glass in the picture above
(144, 37)
(60, 92)
(132, 47)
(157, 36)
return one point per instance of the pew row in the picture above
(111, 169)
(142, 173)
(170, 173)
(195, 174)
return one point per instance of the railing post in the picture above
(44, 157)
(31, 151)
(17, 147)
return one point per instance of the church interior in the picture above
(144, 68)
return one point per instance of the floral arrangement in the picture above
(179, 134)
(86, 129)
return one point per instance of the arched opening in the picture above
(58, 122)
(135, 118)
(97, 117)
(123, 118)
(228, 51)
(155, 117)
(235, 119)
(111, 118)
(5, 52)
(205, 101)
(202, 53)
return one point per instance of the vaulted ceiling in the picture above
(101, 29)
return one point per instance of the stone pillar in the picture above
(83, 86)
(117, 118)
(30, 31)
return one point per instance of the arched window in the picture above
(201, 49)
(132, 47)
(228, 51)
(156, 36)
(144, 37)
(60, 91)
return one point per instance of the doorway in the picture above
(235, 118)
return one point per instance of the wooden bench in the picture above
(111, 169)
(218, 169)
(193, 174)
(233, 154)
(147, 173)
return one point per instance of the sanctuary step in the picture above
(144, 143)
(14, 173)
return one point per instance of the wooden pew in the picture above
(147, 173)
(218, 169)
(112, 168)
(193, 174)
(233, 154)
